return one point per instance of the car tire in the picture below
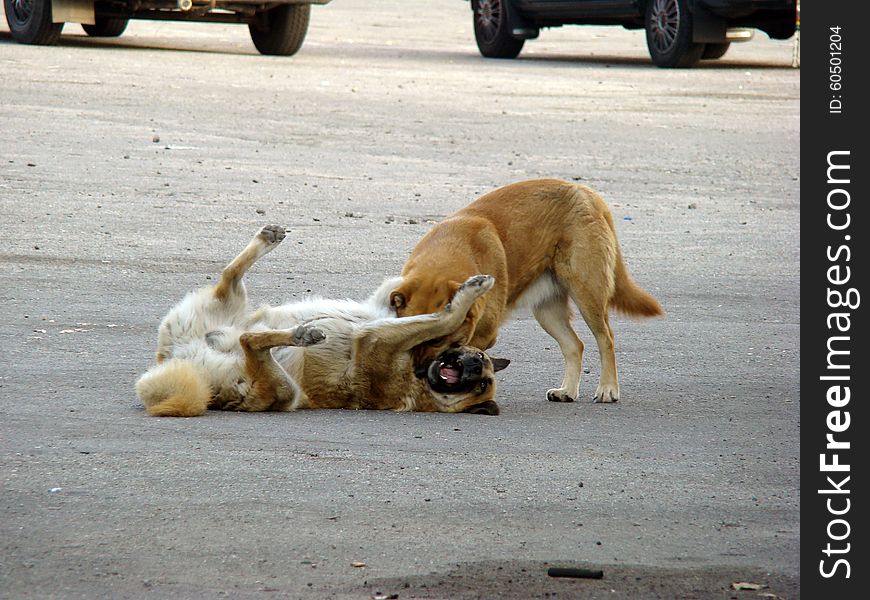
(106, 27)
(713, 51)
(281, 30)
(492, 29)
(669, 34)
(781, 30)
(30, 21)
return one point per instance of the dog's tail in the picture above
(175, 388)
(630, 298)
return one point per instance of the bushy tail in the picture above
(630, 298)
(174, 388)
(627, 297)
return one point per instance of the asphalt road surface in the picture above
(132, 169)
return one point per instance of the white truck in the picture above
(277, 27)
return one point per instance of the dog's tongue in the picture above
(449, 374)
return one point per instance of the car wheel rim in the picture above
(488, 19)
(664, 24)
(22, 10)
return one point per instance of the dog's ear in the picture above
(397, 300)
(401, 294)
(499, 364)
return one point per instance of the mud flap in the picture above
(73, 11)
(707, 28)
(520, 28)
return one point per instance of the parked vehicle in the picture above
(276, 26)
(679, 33)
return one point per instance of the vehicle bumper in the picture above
(777, 18)
(732, 9)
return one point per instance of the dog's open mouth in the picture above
(449, 373)
(458, 371)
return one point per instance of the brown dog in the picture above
(545, 241)
(213, 351)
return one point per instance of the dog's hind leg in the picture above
(554, 316)
(230, 287)
(593, 307)
(271, 388)
(586, 269)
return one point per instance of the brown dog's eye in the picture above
(482, 386)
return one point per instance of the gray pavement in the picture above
(131, 170)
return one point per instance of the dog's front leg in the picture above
(271, 388)
(403, 333)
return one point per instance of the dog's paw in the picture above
(235, 404)
(308, 335)
(559, 395)
(272, 234)
(607, 394)
(471, 290)
(478, 284)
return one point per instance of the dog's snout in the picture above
(473, 366)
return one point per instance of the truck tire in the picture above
(714, 51)
(669, 34)
(492, 29)
(30, 22)
(281, 30)
(106, 27)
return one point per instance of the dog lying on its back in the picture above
(546, 242)
(213, 352)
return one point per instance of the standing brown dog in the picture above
(545, 241)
